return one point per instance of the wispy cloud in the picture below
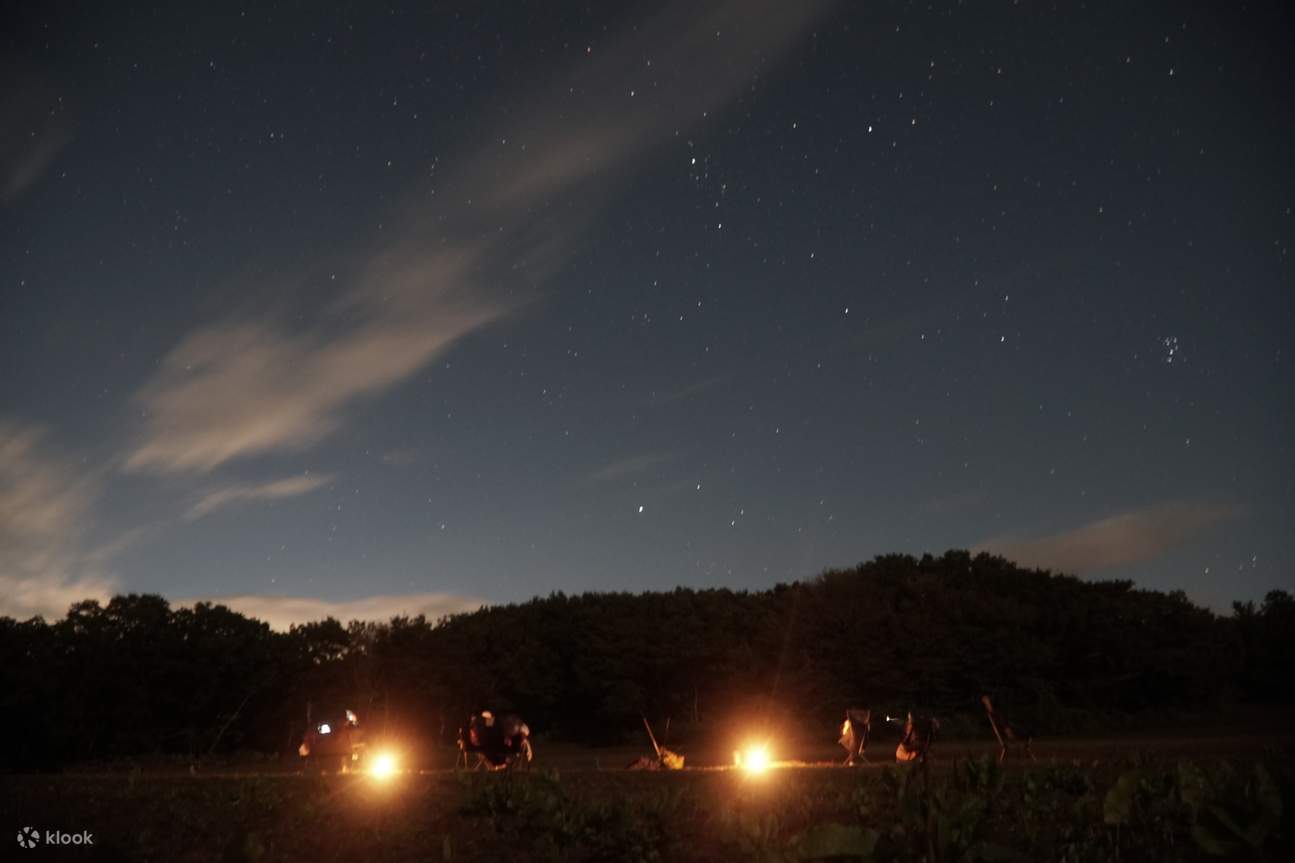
(509, 208)
(629, 466)
(34, 128)
(44, 504)
(274, 490)
(244, 388)
(1120, 540)
(497, 226)
(51, 594)
(283, 611)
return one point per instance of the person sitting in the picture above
(919, 736)
(497, 743)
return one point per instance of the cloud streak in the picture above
(280, 612)
(44, 505)
(507, 210)
(244, 388)
(501, 221)
(34, 129)
(275, 490)
(1120, 540)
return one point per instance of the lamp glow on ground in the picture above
(384, 766)
(753, 759)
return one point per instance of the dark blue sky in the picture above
(405, 308)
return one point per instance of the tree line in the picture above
(136, 676)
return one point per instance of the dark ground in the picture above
(581, 806)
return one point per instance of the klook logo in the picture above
(30, 837)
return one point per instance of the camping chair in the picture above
(854, 734)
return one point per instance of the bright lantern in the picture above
(753, 759)
(384, 766)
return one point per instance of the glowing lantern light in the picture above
(753, 759)
(384, 766)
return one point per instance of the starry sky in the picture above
(378, 308)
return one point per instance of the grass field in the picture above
(1165, 798)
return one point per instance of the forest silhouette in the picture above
(138, 677)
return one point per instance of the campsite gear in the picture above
(665, 759)
(1006, 731)
(332, 738)
(854, 733)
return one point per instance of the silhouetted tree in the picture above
(136, 676)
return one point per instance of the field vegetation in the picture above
(1127, 808)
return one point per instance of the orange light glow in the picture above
(383, 767)
(753, 759)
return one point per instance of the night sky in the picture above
(405, 307)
